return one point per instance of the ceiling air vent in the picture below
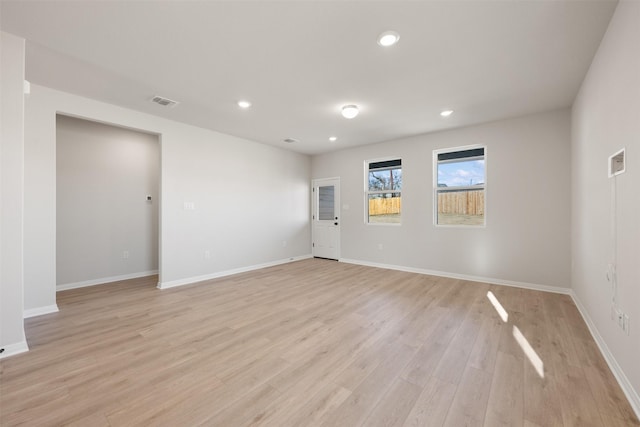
(165, 102)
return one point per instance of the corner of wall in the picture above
(13, 349)
(618, 373)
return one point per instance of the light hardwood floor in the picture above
(311, 343)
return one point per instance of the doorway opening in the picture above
(107, 203)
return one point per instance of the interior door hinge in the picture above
(313, 245)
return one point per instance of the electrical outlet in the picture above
(621, 318)
(125, 255)
(207, 254)
(380, 246)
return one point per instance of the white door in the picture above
(326, 218)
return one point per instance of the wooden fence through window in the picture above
(385, 206)
(469, 202)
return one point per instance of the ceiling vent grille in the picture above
(165, 102)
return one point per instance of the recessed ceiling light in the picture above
(244, 104)
(388, 38)
(333, 138)
(350, 111)
(446, 113)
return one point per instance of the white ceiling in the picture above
(298, 62)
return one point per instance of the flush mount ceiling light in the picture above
(446, 113)
(388, 38)
(333, 138)
(350, 111)
(244, 104)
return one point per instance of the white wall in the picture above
(39, 206)
(12, 338)
(606, 117)
(249, 198)
(526, 238)
(104, 174)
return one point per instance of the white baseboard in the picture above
(196, 279)
(104, 280)
(524, 285)
(625, 384)
(39, 311)
(13, 349)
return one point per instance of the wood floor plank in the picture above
(455, 358)
(351, 376)
(542, 405)
(151, 407)
(204, 406)
(611, 402)
(432, 406)
(577, 401)
(506, 398)
(247, 410)
(423, 365)
(355, 410)
(540, 391)
(394, 407)
(312, 411)
(485, 349)
(311, 343)
(470, 401)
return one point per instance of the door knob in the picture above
(335, 223)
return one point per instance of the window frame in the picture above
(368, 192)
(437, 190)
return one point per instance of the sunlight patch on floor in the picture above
(499, 308)
(531, 354)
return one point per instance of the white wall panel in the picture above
(526, 238)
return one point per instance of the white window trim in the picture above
(435, 186)
(367, 192)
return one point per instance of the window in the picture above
(459, 186)
(326, 202)
(383, 191)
